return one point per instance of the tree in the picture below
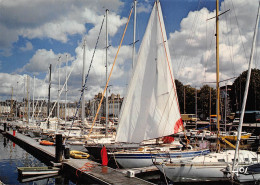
(189, 99)
(179, 89)
(204, 101)
(238, 88)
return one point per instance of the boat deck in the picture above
(82, 168)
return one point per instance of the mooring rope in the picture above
(85, 168)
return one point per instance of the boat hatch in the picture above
(175, 149)
(153, 149)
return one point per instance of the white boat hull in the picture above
(211, 167)
(194, 173)
(139, 160)
(249, 173)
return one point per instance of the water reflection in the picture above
(5, 142)
(13, 156)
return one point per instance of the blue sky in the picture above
(35, 33)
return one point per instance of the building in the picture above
(114, 106)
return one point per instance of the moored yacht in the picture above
(211, 167)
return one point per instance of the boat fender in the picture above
(104, 156)
(190, 147)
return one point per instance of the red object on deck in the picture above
(104, 156)
(168, 139)
(13, 132)
(46, 143)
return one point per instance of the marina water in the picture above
(13, 156)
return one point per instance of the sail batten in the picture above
(150, 109)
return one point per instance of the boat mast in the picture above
(66, 89)
(134, 34)
(225, 118)
(28, 98)
(246, 91)
(49, 98)
(217, 70)
(33, 97)
(16, 100)
(106, 73)
(209, 108)
(196, 112)
(11, 106)
(83, 81)
(58, 105)
(184, 100)
(24, 102)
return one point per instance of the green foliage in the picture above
(236, 96)
(206, 96)
(238, 88)
(179, 88)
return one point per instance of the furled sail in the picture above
(150, 109)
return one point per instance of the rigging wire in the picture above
(209, 49)
(99, 106)
(239, 31)
(171, 74)
(86, 78)
(204, 70)
(230, 43)
(191, 37)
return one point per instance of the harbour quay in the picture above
(83, 169)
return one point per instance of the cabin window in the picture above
(174, 148)
(254, 159)
(153, 149)
(246, 159)
(221, 160)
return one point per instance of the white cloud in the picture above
(41, 61)
(144, 7)
(51, 19)
(39, 19)
(96, 79)
(28, 46)
(193, 46)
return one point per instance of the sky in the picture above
(35, 34)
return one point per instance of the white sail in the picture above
(150, 109)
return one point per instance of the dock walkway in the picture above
(82, 168)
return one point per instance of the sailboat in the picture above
(248, 173)
(216, 166)
(150, 109)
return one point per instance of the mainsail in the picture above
(150, 109)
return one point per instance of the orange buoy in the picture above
(46, 143)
